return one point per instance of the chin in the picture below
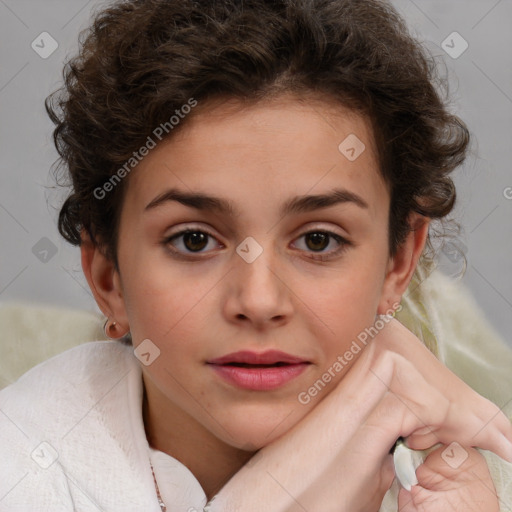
(254, 429)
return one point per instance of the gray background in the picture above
(37, 266)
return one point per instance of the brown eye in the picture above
(317, 241)
(190, 241)
(322, 245)
(195, 240)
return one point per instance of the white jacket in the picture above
(72, 439)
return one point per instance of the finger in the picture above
(433, 475)
(388, 393)
(468, 428)
(411, 400)
(441, 473)
(493, 431)
(465, 478)
(482, 422)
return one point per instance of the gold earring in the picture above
(110, 329)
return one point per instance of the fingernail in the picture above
(404, 466)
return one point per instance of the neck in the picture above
(172, 431)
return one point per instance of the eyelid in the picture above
(191, 227)
(314, 227)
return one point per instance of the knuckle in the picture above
(390, 364)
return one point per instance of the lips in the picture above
(270, 357)
(258, 371)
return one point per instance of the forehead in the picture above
(264, 149)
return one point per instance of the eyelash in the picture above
(344, 244)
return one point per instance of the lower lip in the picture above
(259, 379)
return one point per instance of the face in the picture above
(286, 249)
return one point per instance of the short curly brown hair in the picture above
(141, 60)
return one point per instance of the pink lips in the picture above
(258, 371)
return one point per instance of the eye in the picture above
(191, 241)
(318, 241)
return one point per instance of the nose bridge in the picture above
(257, 261)
(259, 293)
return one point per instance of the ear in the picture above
(402, 266)
(105, 283)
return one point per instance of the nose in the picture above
(258, 293)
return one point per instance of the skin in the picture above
(203, 306)
(439, 484)
(337, 458)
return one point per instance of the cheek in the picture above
(337, 310)
(163, 299)
(345, 298)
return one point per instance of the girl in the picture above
(252, 188)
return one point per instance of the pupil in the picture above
(195, 240)
(318, 241)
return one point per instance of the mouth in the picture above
(268, 358)
(258, 371)
(247, 365)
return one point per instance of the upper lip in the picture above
(248, 357)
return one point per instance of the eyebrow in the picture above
(298, 204)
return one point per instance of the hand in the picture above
(336, 459)
(441, 487)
